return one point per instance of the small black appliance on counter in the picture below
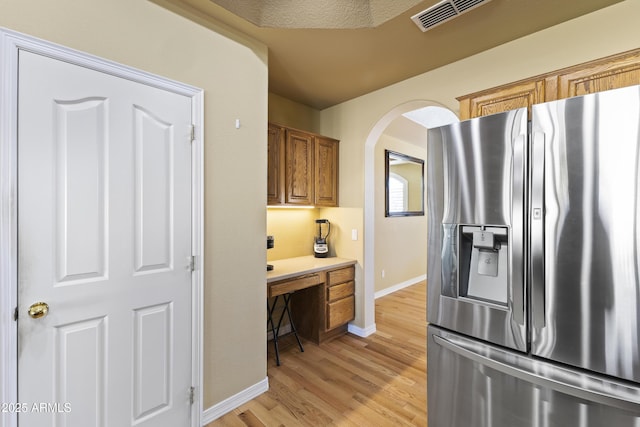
(269, 246)
(320, 245)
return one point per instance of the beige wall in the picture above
(293, 230)
(233, 73)
(400, 242)
(285, 112)
(602, 33)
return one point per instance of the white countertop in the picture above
(292, 267)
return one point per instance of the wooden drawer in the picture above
(294, 284)
(342, 290)
(339, 276)
(340, 312)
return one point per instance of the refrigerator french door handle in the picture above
(600, 395)
(536, 224)
(519, 226)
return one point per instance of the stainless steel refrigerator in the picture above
(534, 266)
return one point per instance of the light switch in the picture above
(354, 234)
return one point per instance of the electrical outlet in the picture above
(382, 273)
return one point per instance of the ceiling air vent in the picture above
(444, 11)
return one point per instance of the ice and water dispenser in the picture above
(483, 253)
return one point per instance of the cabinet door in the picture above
(340, 312)
(604, 74)
(341, 275)
(505, 98)
(299, 175)
(612, 72)
(275, 165)
(340, 291)
(326, 171)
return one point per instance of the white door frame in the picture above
(10, 43)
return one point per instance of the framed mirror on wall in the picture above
(403, 185)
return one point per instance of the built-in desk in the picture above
(322, 293)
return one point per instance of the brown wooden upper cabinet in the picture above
(275, 169)
(612, 72)
(302, 168)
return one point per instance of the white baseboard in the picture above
(371, 329)
(394, 288)
(216, 411)
(362, 332)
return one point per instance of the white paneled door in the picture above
(104, 241)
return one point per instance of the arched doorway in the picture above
(432, 114)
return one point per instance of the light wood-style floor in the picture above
(350, 381)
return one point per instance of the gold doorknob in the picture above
(38, 310)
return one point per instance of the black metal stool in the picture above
(276, 329)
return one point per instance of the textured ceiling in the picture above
(328, 14)
(372, 43)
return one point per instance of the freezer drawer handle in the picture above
(598, 396)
